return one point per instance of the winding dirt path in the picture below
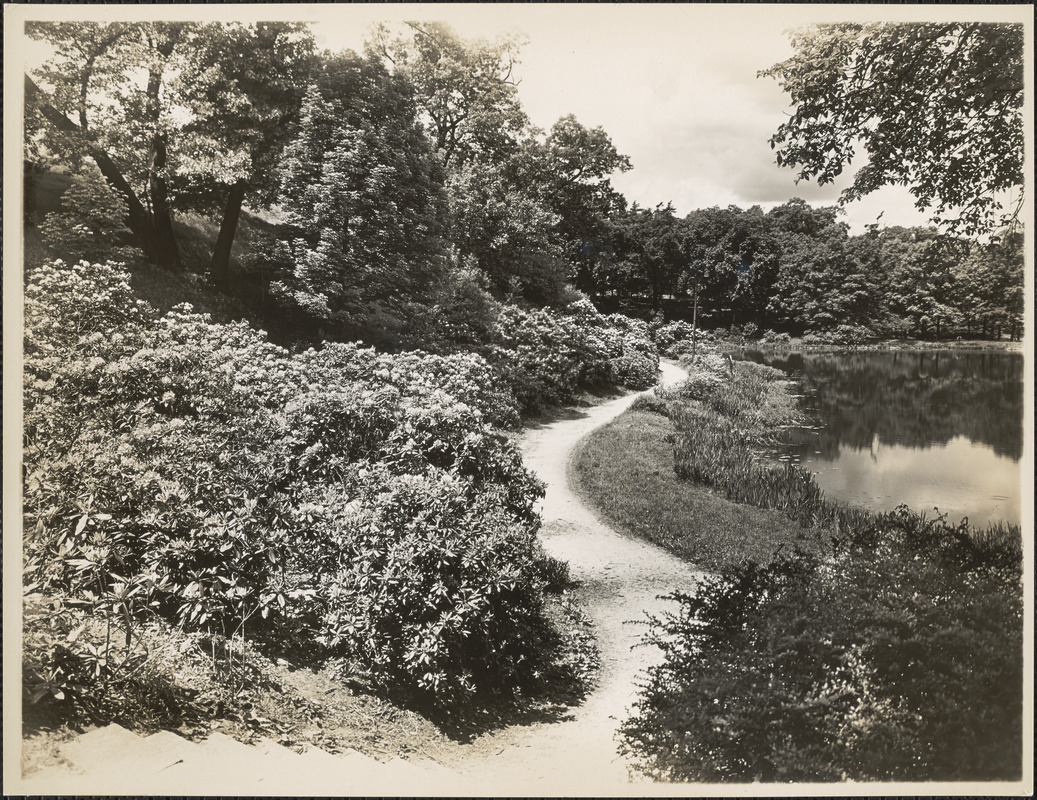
(620, 580)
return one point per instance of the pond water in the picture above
(935, 430)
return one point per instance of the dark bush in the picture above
(891, 651)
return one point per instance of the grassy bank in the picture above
(625, 469)
(831, 643)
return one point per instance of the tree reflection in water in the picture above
(935, 428)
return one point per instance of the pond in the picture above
(938, 429)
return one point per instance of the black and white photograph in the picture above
(536, 400)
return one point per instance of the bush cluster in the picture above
(675, 339)
(772, 337)
(897, 659)
(91, 222)
(360, 502)
(851, 335)
(890, 650)
(548, 357)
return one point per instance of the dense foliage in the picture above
(797, 270)
(937, 106)
(395, 171)
(362, 193)
(899, 659)
(364, 504)
(176, 115)
(356, 503)
(888, 647)
(90, 224)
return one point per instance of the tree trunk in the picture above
(220, 266)
(694, 326)
(139, 220)
(168, 252)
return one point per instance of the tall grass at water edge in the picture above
(728, 413)
(890, 650)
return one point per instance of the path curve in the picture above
(620, 579)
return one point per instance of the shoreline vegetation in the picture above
(831, 643)
(906, 345)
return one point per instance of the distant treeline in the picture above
(796, 269)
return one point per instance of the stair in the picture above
(113, 760)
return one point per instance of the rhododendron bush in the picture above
(548, 357)
(360, 500)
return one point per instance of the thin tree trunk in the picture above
(694, 325)
(169, 253)
(220, 266)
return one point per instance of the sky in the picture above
(674, 85)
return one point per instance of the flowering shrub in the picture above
(91, 222)
(468, 377)
(675, 339)
(770, 337)
(547, 357)
(432, 590)
(194, 469)
(618, 350)
(539, 357)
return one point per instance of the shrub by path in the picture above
(619, 580)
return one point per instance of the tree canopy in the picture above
(465, 89)
(937, 106)
(176, 115)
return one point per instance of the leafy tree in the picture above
(730, 260)
(820, 283)
(918, 291)
(505, 233)
(363, 196)
(175, 114)
(569, 174)
(650, 244)
(245, 89)
(97, 108)
(988, 286)
(935, 105)
(466, 90)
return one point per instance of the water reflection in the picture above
(937, 428)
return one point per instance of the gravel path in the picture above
(620, 580)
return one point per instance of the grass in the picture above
(889, 635)
(625, 469)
